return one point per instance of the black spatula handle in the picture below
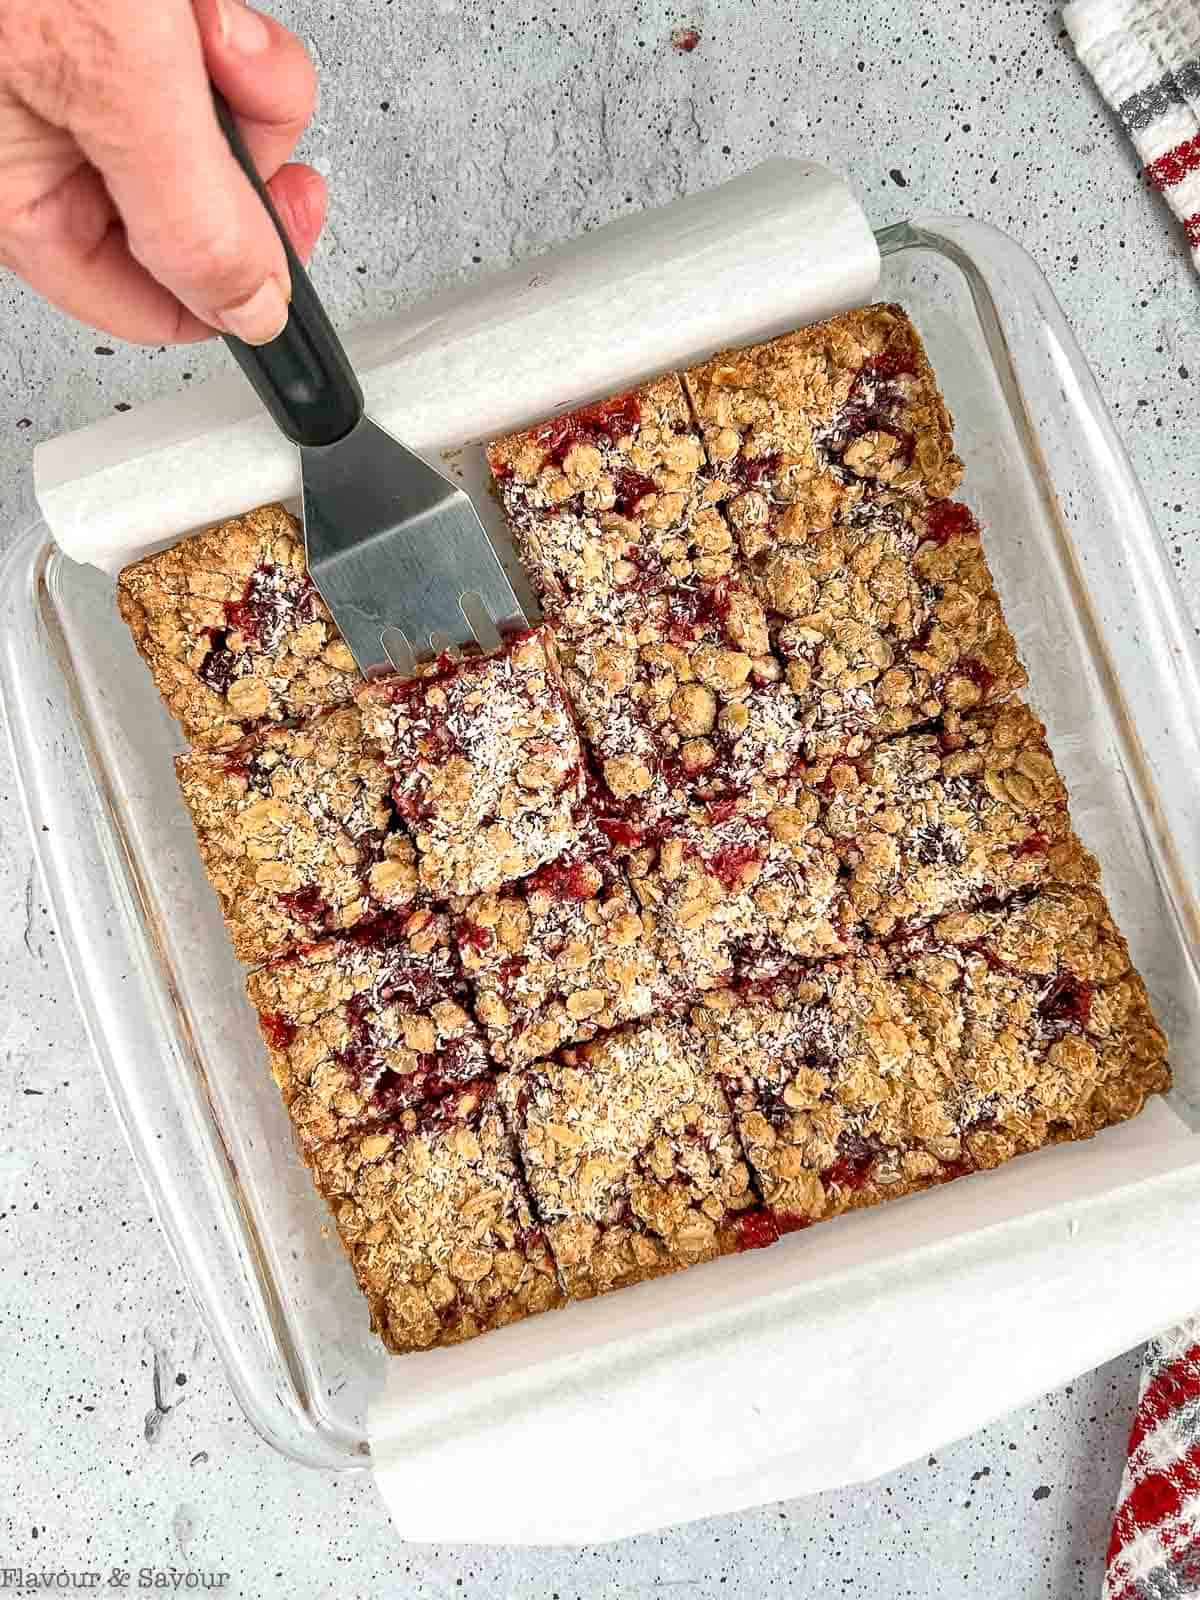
(304, 377)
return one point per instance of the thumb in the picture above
(191, 217)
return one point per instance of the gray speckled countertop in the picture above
(457, 137)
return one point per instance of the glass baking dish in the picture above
(1114, 670)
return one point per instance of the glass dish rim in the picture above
(318, 1443)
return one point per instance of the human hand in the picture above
(120, 200)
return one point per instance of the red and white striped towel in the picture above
(1154, 1552)
(1145, 58)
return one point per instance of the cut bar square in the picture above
(487, 767)
(435, 1218)
(233, 630)
(933, 822)
(844, 403)
(686, 705)
(610, 503)
(367, 1024)
(741, 897)
(298, 833)
(883, 619)
(989, 1034)
(556, 958)
(631, 1157)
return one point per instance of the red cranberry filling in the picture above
(852, 1169)
(609, 420)
(565, 880)
(728, 864)
(982, 677)
(306, 905)
(474, 937)
(1034, 844)
(271, 598)
(630, 487)
(1068, 1000)
(277, 1030)
(756, 1229)
(948, 519)
(689, 610)
(752, 471)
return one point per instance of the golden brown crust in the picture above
(435, 1218)
(233, 630)
(486, 764)
(367, 1024)
(630, 1154)
(298, 834)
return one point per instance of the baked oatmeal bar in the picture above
(367, 1024)
(610, 503)
(630, 1154)
(990, 1034)
(933, 822)
(233, 630)
(487, 767)
(740, 897)
(685, 705)
(556, 958)
(437, 1223)
(883, 619)
(851, 400)
(298, 833)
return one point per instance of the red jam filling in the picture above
(949, 519)
(474, 937)
(878, 369)
(565, 880)
(629, 487)
(622, 834)
(752, 471)
(1034, 844)
(609, 420)
(276, 1030)
(756, 1230)
(852, 1169)
(689, 610)
(728, 864)
(982, 677)
(1068, 999)
(306, 905)
(268, 602)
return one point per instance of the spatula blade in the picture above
(394, 548)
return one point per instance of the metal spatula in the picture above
(396, 550)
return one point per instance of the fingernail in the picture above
(243, 29)
(259, 319)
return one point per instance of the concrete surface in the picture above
(458, 137)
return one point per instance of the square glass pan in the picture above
(1114, 672)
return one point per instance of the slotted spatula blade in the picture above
(397, 552)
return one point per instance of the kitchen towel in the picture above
(1145, 58)
(1154, 1553)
